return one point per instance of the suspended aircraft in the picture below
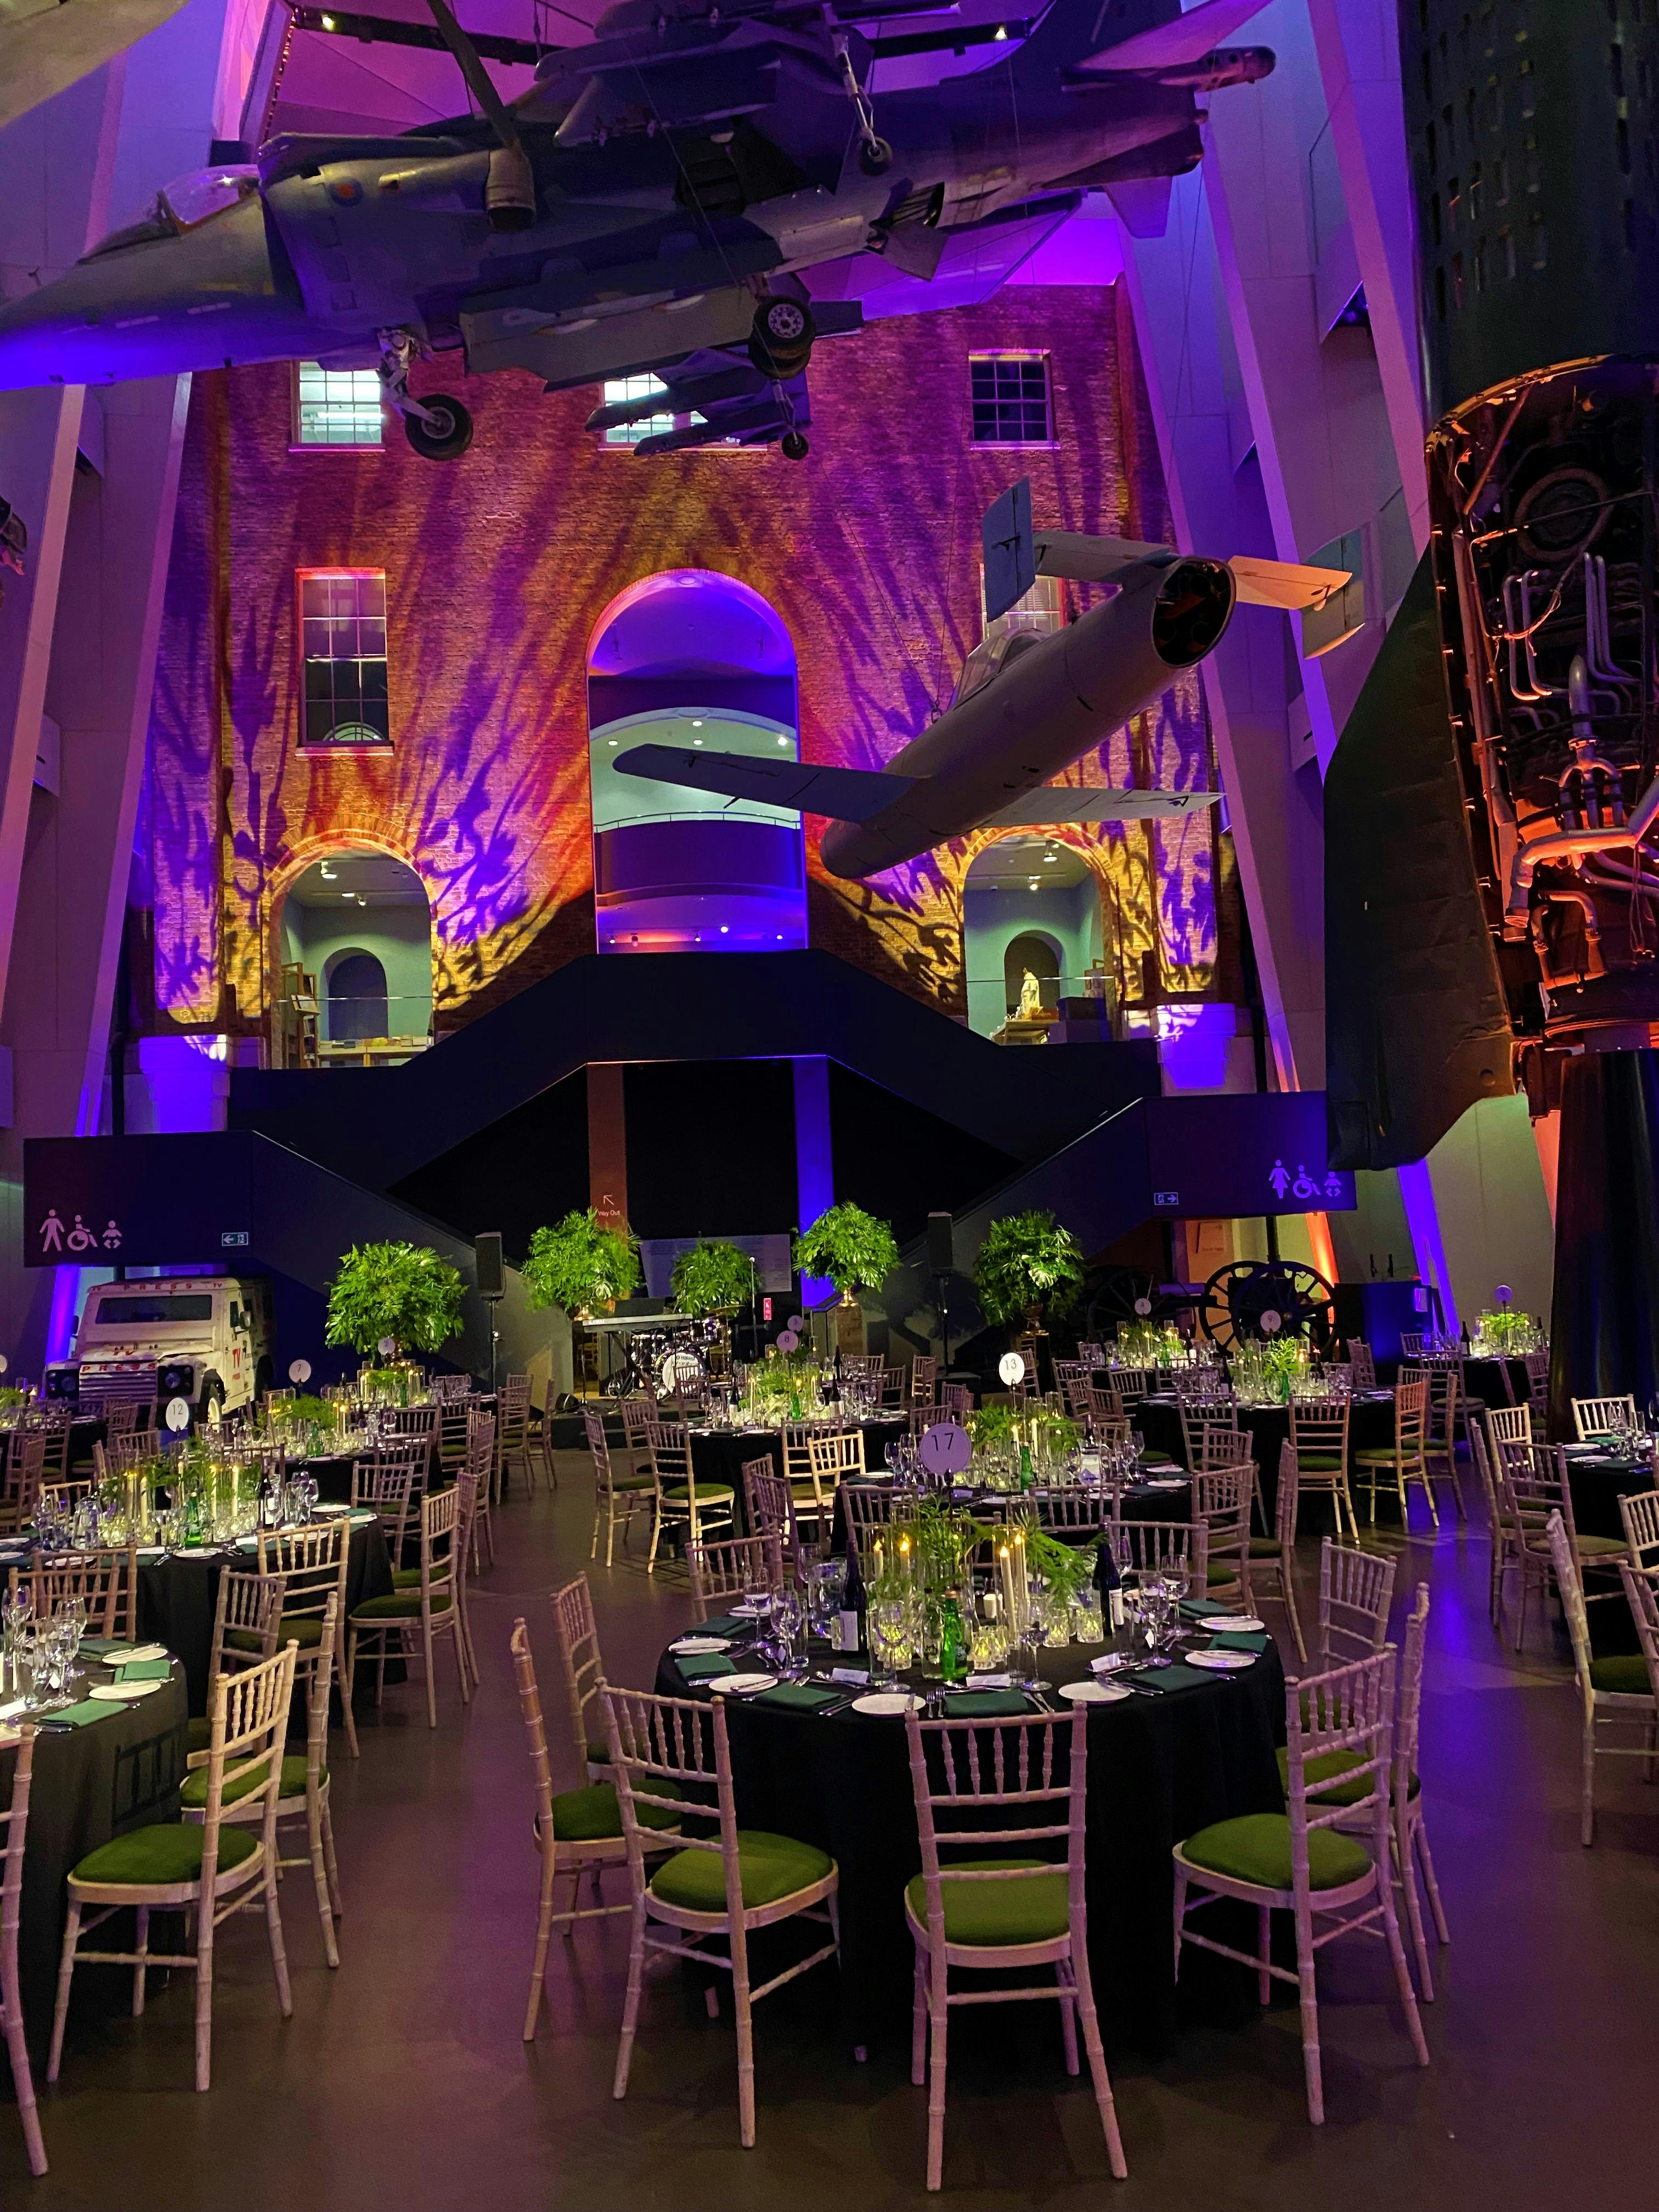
(1027, 705)
(653, 203)
(47, 45)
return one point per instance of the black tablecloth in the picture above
(1370, 1425)
(89, 1785)
(177, 1596)
(1159, 1768)
(1484, 1379)
(1140, 1502)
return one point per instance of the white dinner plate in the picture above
(1093, 1693)
(1228, 1624)
(118, 1693)
(1222, 1663)
(688, 1644)
(328, 1512)
(888, 1701)
(748, 1608)
(124, 1658)
(740, 1686)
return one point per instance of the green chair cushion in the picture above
(636, 1482)
(1155, 1459)
(1384, 1455)
(1265, 1547)
(1318, 1462)
(201, 1732)
(157, 1857)
(708, 1493)
(771, 1867)
(398, 1605)
(1600, 1547)
(1328, 1767)
(1256, 1848)
(1226, 1569)
(591, 1814)
(305, 1629)
(194, 1795)
(598, 1752)
(1624, 1673)
(997, 1912)
(405, 1578)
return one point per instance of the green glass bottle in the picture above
(952, 1641)
(1026, 1477)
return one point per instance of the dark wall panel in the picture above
(711, 1147)
(899, 1161)
(528, 1168)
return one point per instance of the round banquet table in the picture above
(1159, 1768)
(1598, 1480)
(1484, 1379)
(178, 1592)
(1371, 1424)
(1167, 1500)
(719, 1455)
(90, 1784)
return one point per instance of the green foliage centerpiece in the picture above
(1027, 1262)
(851, 1247)
(711, 1277)
(406, 1291)
(579, 1264)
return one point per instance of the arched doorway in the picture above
(354, 937)
(1028, 901)
(691, 659)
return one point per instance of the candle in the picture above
(880, 1559)
(906, 1565)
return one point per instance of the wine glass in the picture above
(889, 1640)
(788, 1620)
(72, 1611)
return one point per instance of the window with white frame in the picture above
(1010, 399)
(619, 389)
(343, 656)
(336, 407)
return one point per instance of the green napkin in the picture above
(799, 1697)
(1246, 1643)
(698, 1666)
(724, 1624)
(143, 1670)
(82, 1716)
(1199, 1608)
(984, 1705)
(1177, 1677)
(98, 1646)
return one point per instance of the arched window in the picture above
(1038, 956)
(356, 999)
(694, 660)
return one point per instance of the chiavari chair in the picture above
(735, 1566)
(388, 1627)
(1614, 1693)
(618, 1494)
(1355, 1591)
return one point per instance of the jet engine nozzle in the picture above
(1192, 609)
(510, 190)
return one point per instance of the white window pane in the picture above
(338, 406)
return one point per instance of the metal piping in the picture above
(1567, 844)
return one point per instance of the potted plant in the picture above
(856, 1252)
(1026, 1263)
(711, 1277)
(406, 1291)
(581, 1265)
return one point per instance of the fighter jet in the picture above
(653, 202)
(47, 45)
(1027, 706)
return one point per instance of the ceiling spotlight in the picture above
(1001, 30)
(1048, 860)
(726, 929)
(610, 741)
(783, 741)
(328, 23)
(325, 872)
(1032, 885)
(696, 725)
(348, 894)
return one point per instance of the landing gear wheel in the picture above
(793, 445)
(875, 157)
(781, 343)
(446, 433)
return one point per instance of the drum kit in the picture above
(663, 1353)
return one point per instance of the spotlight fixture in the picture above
(328, 23)
(783, 741)
(726, 929)
(610, 741)
(696, 725)
(695, 741)
(1048, 860)
(1001, 32)
(325, 872)
(1033, 883)
(348, 894)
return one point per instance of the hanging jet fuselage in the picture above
(641, 248)
(1050, 701)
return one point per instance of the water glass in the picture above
(788, 1623)
(889, 1624)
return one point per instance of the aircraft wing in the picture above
(1286, 584)
(1049, 807)
(725, 396)
(846, 794)
(46, 45)
(1179, 44)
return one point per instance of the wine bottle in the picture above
(1109, 1584)
(852, 1604)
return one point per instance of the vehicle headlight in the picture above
(176, 1381)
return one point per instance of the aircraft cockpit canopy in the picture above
(184, 204)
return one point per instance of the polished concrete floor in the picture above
(401, 2079)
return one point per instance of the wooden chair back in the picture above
(770, 1506)
(1538, 1382)
(384, 1482)
(1408, 1719)
(535, 1730)
(1320, 1426)
(1355, 1590)
(1073, 1512)
(121, 1419)
(1165, 1547)
(1563, 1558)
(598, 1446)
(923, 1378)
(54, 1427)
(1214, 1439)
(1598, 1417)
(965, 1775)
(106, 1580)
(254, 1604)
(1411, 1343)
(1644, 1600)
(1535, 1485)
(1132, 1384)
(311, 1564)
(1104, 1409)
(956, 1401)
(1639, 1513)
(1093, 1356)
(20, 1486)
(735, 1566)
(1222, 1497)
(1510, 1423)
(248, 1725)
(1361, 1363)
(1349, 1708)
(682, 1742)
(119, 1454)
(577, 1635)
(1484, 1465)
(1411, 1414)
(1285, 1505)
(513, 1412)
(869, 1508)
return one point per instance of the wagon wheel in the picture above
(1121, 1297)
(1237, 1297)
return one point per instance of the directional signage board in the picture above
(1244, 1153)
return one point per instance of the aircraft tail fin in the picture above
(845, 794)
(1287, 584)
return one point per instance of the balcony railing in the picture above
(335, 1032)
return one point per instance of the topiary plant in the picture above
(1027, 1260)
(851, 1247)
(711, 1277)
(579, 1264)
(406, 1291)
